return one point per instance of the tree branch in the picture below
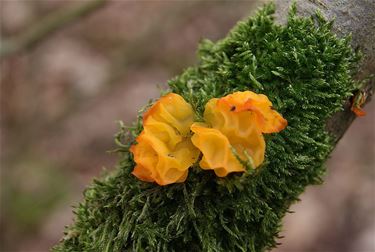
(46, 26)
(351, 17)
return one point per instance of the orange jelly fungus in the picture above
(357, 104)
(233, 129)
(164, 151)
(358, 111)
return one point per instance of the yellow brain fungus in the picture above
(233, 129)
(164, 151)
(231, 136)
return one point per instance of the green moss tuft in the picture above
(305, 70)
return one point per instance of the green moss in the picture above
(306, 72)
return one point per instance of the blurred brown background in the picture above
(60, 100)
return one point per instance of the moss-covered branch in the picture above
(356, 18)
(306, 71)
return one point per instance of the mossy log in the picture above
(356, 18)
(307, 71)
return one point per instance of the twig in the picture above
(46, 26)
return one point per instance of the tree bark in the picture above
(355, 17)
